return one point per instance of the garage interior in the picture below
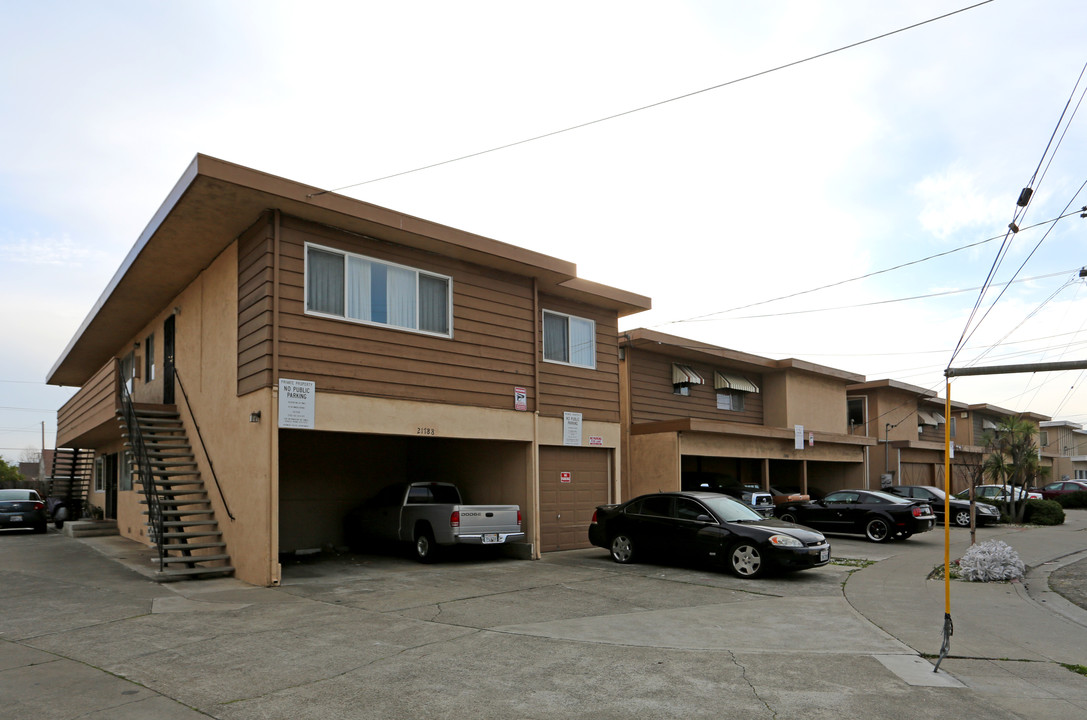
(323, 475)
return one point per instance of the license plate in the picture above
(490, 538)
(824, 555)
(16, 518)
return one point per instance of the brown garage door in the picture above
(566, 508)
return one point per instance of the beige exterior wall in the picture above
(654, 464)
(795, 397)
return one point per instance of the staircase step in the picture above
(191, 573)
(194, 559)
(185, 523)
(194, 546)
(194, 534)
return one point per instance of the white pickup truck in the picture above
(429, 515)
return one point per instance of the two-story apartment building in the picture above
(1065, 443)
(284, 353)
(692, 407)
(909, 424)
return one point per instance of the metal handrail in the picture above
(143, 463)
(211, 465)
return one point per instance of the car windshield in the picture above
(729, 510)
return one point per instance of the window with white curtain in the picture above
(569, 339)
(354, 287)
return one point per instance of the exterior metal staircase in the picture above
(180, 518)
(69, 481)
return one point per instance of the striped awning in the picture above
(924, 418)
(988, 425)
(684, 375)
(728, 381)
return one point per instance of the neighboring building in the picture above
(691, 407)
(417, 351)
(1065, 443)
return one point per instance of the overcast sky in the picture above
(849, 164)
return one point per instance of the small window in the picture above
(100, 474)
(125, 482)
(149, 359)
(569, 339)
(733, 401)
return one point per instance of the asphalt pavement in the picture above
(85, 632)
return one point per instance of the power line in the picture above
(658, 103)
(707, 318)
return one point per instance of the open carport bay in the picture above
(323, 475)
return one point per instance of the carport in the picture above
(323, 475)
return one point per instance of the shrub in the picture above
(1073, 500)
(991, 560)
(1044, 512)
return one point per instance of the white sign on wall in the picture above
(297, 401)
(798, 440)
(571, 428)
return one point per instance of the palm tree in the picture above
(1013, 460)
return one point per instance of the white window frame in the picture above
(569, 340)
(346, 288)
(100, 474)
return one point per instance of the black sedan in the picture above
(697, 525)
(960, 509)
(879, 516)
(22, 509)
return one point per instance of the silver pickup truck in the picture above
(429, 515)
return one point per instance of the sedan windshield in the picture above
(729, 510)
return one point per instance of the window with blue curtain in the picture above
(354, 287)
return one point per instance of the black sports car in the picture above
(960, 509)
(698, 525)
(879, 516)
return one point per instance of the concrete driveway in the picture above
(573, 635)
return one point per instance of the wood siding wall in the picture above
(592, 392)
(653, 397)
(255, 285)
(491, 352)
(94, 405)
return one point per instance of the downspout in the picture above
(275, 570)
(534, 482)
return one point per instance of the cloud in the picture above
(951, 200)
(45, 251)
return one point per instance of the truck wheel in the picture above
(425, 549)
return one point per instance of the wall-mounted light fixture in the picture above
(254, 417)
(177, 309)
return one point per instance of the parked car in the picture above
(998, 493)
(960, 509)
(1054, 490)
(879, 516)
(699, 525)
(430, 515)
(22, 509)
(760, 501)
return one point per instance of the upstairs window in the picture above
(361, 289)
(683, 377)
(568, 339)
(732, 390)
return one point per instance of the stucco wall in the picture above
(654, 464)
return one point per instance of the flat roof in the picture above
(215, 201)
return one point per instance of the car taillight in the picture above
(454, 519)
(39, 506)
(917, 512)
(594, 517)
(518, 518)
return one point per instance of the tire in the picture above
(788, 516)
(745, 561)
(426, 550)
(622, 549)
(962, 518)
(877, 530)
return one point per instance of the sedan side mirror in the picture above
(704, 519)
